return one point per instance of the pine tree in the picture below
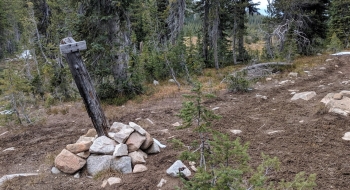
(340, 21)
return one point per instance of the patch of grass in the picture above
(176, 143)
(321, 109)
(106, 174)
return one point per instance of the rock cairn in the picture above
(124, 151)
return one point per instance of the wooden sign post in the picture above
(70, 50)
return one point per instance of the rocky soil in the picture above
(301, 133)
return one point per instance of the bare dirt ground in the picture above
(309, 140)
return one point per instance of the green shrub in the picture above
(238, 82)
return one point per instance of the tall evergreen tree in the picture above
(340, 21)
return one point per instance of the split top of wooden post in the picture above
(69, 45)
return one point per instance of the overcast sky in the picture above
(262, 6)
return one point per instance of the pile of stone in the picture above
(124, 151)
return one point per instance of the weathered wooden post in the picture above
(70, 50)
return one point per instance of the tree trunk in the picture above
(205, 31)
(86, 89)
(215, 34)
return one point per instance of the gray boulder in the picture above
(120, 150)
(137, 128)
(122, 164)
(122, 132)
(103, 145)
(174, 169)
(98, 163)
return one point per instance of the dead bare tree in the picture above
(176, 19)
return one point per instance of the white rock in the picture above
(114, 180)
(173, 170)
(138, 168)
(103, 145)
(161, 183)
(153, 149)
(120, 150)
(268, 79)
(77, 175)
(155, 82)
(216, 108)
(104, 183)
(191, 163)
(171, 80)
(270, 132)
(150, 121)
(177, 124)
(322, 68)
(54, 170)
(293, 74)
(327, 60)
(236, 131)
(158, 143)
(339, 111)
(9, 177)
(261, 96)
(304, 95)
(193, 168)
(342, 53)
(3, 133)
(284, 82)
(9, 149)
(346, 136)
(137, 128)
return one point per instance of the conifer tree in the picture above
(340, 21)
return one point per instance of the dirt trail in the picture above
(306, 140)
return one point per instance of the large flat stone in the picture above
(304, 95)
(122, 132)
(68, 162)
(122, 164)
(103, 145)
(98, 163)
(137, 128)
(79, 147)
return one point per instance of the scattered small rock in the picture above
(268, 79)
(159, 144)
(322, 68)
(150, 121)
(138, 168)
(216, 108)
(54, 170)
(171, 80)
(9, 149)
(173, 170)
(292, 74)
(114, 180)
(177, 124)
(270, 132)
(327, 60)
(104, 183)
(193, 168)
(346, 136)
(155, 83)
(191, 163)
(9, 177)
(77, 175)
(236, 132)
(261, 96)
(304, 95)
(337, 96)
(161, 183)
